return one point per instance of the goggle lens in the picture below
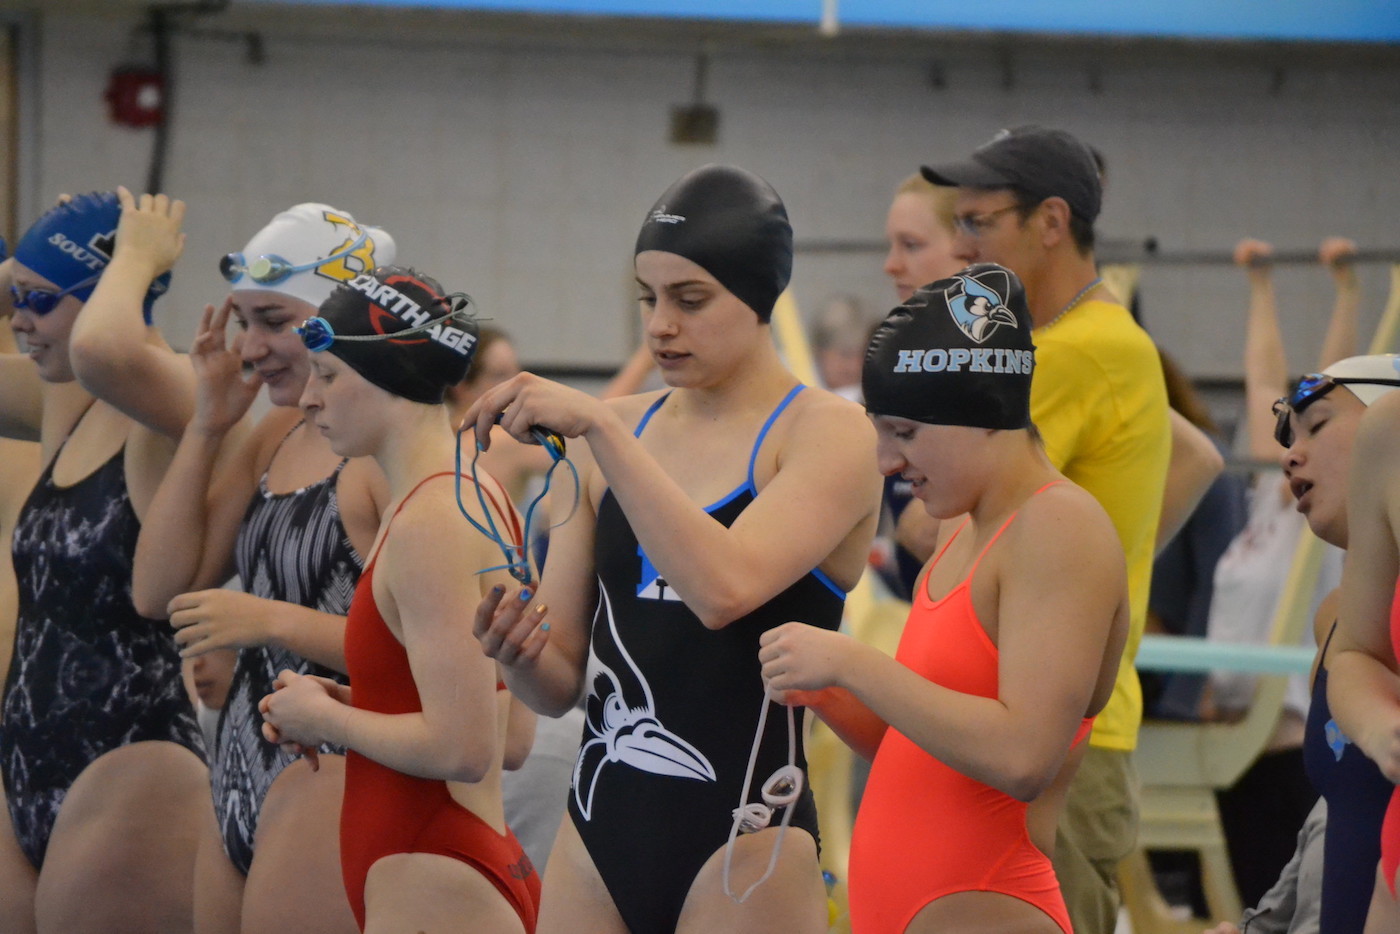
(231, 266)
(316, 334)
(41, 302)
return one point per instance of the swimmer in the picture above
(712, 511)
(423, 841)
(978, 725)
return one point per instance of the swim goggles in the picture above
(42, 302)
(1311, 388)
(318, 334)
(270, 269)
(782, 790)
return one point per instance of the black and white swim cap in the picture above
(958, 352)
(359, 321)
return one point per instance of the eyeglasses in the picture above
(975, 225)
(271, 269)
(1311, 388)
(318, 334)
(42, 302)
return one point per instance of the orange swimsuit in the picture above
(925, 830)
(387, 812)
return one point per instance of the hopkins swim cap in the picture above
(358, 324)
(958, 352)
(732, 224)
(306, 251)
(73, 242)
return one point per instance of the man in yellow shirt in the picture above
(1027, 199)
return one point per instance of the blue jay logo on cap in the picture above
(979, 307)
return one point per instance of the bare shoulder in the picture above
(1065, 525)
(363, 479)
(816, 412)
(430, 534)
(268, 434)
(631, 408)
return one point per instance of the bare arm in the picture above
(115, 355)
(853, 722)
(1341, 341)
(214, 619)
(1061, 616)
(189, 530)
(1194, 465)
(827, 484)
(454, 736)
(1363, 686)
(1265, 364)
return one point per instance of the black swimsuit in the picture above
(89, 674)
(1357, 796)
(291, 547)
(672, 710)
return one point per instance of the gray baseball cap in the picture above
(1044, 163)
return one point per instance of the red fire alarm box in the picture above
(136, 97)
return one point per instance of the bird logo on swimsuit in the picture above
(623, 723)
(978, 309)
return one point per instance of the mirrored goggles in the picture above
(271, 269)
(1309, 389)
(42, 302)
(318, 334)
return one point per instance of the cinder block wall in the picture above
(519, 168)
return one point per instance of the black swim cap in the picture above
(958, 352)
(392, 299)
(732, 224)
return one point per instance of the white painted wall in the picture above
(519, 171)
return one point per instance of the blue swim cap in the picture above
(74, 241)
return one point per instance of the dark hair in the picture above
(1080, 230)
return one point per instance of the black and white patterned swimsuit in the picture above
(291, 547)
(89, 673)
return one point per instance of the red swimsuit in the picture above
(925, 830)
(387, 812)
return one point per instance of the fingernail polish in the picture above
(544, 627)
(525, 595)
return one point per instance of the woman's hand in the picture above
(526, 400)
(1255, 257)
(223, 394)
(510, 630)
(296, 712)
(149, 231)
(1337, 254)
(206, 620)
(797, 657)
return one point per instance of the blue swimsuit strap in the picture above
(651, 410)
(763, 432)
